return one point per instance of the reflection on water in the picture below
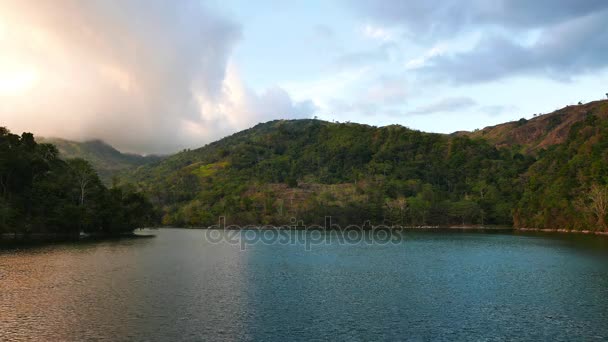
(427, 286)
(160, 288)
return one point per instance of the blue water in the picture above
(419, 287)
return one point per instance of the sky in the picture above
(158, 76)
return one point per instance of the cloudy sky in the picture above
(156, 76)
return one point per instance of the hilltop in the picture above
(542, 130)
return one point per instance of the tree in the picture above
(292, 182)
(396, 210)
(5, 215)
(599, 204)
(419, 209)
(464, 210)
(40, 193)
(84, 175)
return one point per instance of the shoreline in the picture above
(463, 229)
(19, 240)
(337, 227)
(560, 231)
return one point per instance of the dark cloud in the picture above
(450, 17)
(572, 36)
(561, 52)
(452, 104)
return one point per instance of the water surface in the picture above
(424, 286)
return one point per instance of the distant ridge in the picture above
(106, 160)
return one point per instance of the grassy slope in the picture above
(541, 131)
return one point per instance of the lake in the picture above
(185, 285)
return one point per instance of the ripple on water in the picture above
(426, 286)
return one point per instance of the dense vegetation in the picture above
(566, 187)
(307, 169)
(106, 160)
(43, 194)
(547, 172)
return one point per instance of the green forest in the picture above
(41, 194)
(309, 169)
(547, 172)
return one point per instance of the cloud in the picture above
(422, 61)
(545, 38)
(561, 52)
(452, 104)
(270, 104)
(451, 17)
(241, 107)
(145, 75)
(376, 32)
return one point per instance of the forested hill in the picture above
(106, 160)
(309, 168)
(393, 175)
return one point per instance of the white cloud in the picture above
(423, 60)
(144, 75)
(377, 33)
(241, 107)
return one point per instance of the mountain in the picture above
(307, 169)
(106, 160)
(547, 172)
(541, 131)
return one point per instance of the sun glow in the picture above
(17, 73)
(16, 79)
